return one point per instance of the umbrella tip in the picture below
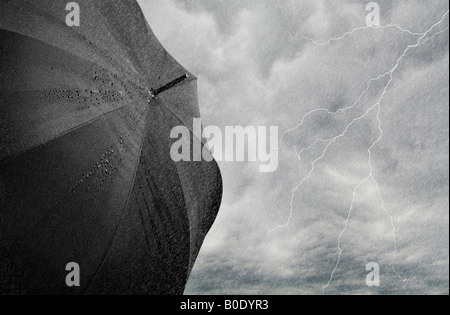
(152, 93)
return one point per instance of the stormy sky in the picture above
(256, 67)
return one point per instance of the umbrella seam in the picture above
(122, 214)
(56, 137)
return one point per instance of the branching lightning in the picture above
(359, 29)
(421, 39)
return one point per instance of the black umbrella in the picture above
(85, 169)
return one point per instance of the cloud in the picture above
(254, 68)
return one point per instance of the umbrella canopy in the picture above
(85, 169)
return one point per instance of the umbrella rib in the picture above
(184, 193)
(60, 135)
(123, 73)
(102, 261)
(181, 121)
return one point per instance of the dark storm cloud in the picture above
(254, 68)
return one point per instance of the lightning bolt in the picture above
(422, 39)
(359, 29)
